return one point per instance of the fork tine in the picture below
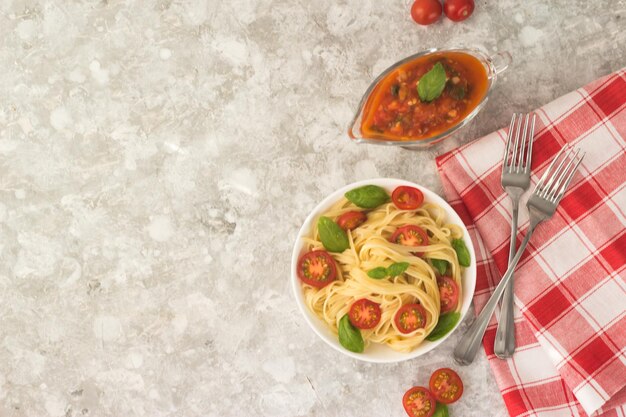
(508, 142)
(523, 144)
(540, 184)
(567, 176)
(549, 186)
(514, 164)
(529, 153)
(559, 174)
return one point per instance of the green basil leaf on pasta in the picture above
(441, 410)
(368, 196)
(332, 236)
(462, 253)
(397, 268)
(445, 324)
(440, 265)
(377, 273)
(349, 336)
(431, 85)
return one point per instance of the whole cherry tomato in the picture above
(426, 12)
(458, 10)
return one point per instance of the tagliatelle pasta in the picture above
(369, 248)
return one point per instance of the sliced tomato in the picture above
(351, 220)
(419, 402)
(317, 268)
(448, 294)
(410, 317)
(410, 235)
(446, 385)
(364, 314)
(407, 198)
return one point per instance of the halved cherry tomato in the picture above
(410, 317)
(448, 294)
(446, 385)
(410, 235)
(407, 198)
(419, 402)
(426, 12)
(364, 314)
(317, 268)
(350, 220)
(457, 10)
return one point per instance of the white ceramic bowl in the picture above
(376, 352)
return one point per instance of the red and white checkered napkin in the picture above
(570, 286)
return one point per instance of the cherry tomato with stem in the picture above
(458, 10)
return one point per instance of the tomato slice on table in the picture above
(351, 220)
(410, 317)
(407, 198)
(419, 402)
(317, 268)
(364, 314)
(448, 294)
(410, 235)
(446, 385)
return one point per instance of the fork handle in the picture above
(467, 347)
(504, 345)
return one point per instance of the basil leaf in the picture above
(394, 90)
(444, 325)
(462, 253)
(431, 85)
(440, 265)
(441, 410)
(397, 268)
(349, 336)
(332, 236)
(368, 196)
(377, 273)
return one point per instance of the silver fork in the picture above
(541, 206)
(515, 181)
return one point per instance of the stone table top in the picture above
(156, 161)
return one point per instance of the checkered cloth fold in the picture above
(570, 286)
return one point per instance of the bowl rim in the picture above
(482, 56)
(320, 328)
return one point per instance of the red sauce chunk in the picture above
(394, 110)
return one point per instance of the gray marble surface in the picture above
(156, 161)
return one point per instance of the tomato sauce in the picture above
(395, 112)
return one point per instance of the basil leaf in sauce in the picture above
(444, 325)
(394, 90)
(332, 236)
(377, 273)
(368, 196)
(397, 268)
(431, 85)
(349, 336)
(440, 265)
(441, 410)
(462, 253)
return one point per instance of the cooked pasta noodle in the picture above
(370, 247)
